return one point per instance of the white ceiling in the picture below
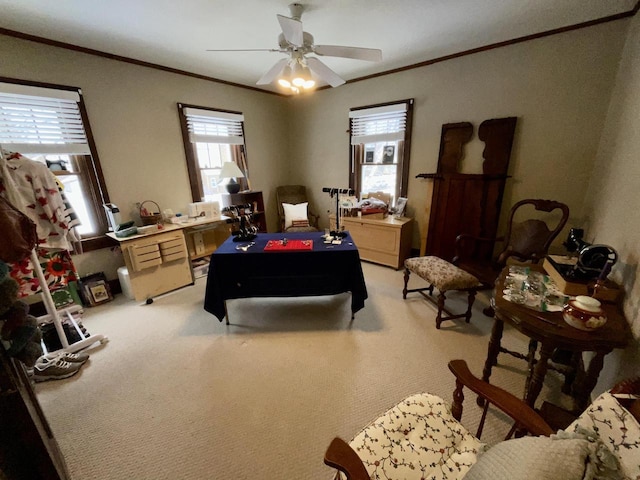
(177, 33)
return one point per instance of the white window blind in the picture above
(208, 126)
(378, 124)
(38, 120)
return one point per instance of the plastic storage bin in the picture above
(125, 282)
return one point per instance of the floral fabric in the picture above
(57, 267)
(441, 274)
(417, 438)
(33, 190)
(616, 428)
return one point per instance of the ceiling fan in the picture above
(295, 72)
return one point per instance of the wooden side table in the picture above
(551, 332)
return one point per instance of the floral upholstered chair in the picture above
(421, 437)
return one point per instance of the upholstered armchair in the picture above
(422, 437)
(294, 212)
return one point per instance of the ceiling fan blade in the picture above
(324, 72)
(292, 30)
(273, 72)
(244, 50)
(369, 54)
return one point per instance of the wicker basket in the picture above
(150, 217)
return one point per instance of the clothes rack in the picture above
(54, 315)
(9, 180)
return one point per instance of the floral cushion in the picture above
(616, 428)
(441, 274)
(417, 438)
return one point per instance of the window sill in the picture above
(97, 243)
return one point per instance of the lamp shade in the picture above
(230, 170)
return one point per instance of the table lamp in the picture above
(231, 171)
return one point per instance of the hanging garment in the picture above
(72, 220)
(31, 187)
(18, 233)
(38, 197)
(57, 267)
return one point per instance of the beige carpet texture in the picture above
(176, 394)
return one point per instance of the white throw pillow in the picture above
(294, 212)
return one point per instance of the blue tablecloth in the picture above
(325, 270)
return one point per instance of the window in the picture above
(212, 137)
(49, 124)
(380, 144)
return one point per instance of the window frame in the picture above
(193, 166)
(357, 152)
(91, 175)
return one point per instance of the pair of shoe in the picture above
(58, 365)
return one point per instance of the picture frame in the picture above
(388, 154)
(401, 205)
(95, 289)
(368, 156)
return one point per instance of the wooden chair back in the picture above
(525, 240)
(530, 240)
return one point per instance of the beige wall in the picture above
(613, 202)
(134, 119)
(558, 87)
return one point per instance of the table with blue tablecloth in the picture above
(242, 270)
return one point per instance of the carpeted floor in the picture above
(175, 394)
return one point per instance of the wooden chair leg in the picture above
(406, 282)
(441, 299)
(472, 298)
(488, 311)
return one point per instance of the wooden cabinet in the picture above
(157, 263)
(257, 206)
(160, 262)
(203, 240)
(385, 241)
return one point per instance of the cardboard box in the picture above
(374, 213)
(607, 291)
(384, 197)
(566, 286)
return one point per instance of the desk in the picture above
(160, 261)
(325, 270)
(552, 332)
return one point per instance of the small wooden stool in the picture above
(444, 276)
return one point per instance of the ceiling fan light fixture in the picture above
(297, 74)
(285, 77)
(301, 75)
(309, 84)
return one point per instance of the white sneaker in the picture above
(79, 357)
(54, 370)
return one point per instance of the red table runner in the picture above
(291, 245)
